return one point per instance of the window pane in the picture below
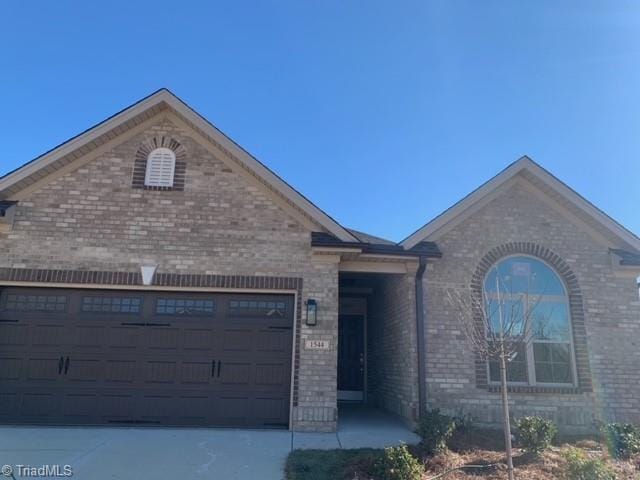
(523, 275)
(516, 368)
(184, 306)
(552, 362)
(550, 321)
(37, 303)
(257, 308)
(111, 304)
(510, 313)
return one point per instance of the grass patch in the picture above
(331, 464)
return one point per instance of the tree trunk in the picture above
(506, 421)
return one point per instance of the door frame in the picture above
(355, 305)
(151, 288)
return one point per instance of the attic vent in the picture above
(161, 164)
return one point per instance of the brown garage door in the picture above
(132, 357)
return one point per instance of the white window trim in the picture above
(167, 167)
(531, 367)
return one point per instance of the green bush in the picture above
(397, 463)
(623, 439)
(435, 429)
(581, 467)
(535, 434)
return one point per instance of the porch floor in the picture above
(359, 427)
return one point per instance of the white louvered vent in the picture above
(161, 164)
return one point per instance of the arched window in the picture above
(525, 292)
(161, 165)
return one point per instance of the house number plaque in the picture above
(317, 345)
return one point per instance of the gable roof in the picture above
(148, 107)
(540, 178)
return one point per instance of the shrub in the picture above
(623, 439)
(535, 434)
(435, 429)
(397, 463)
(581, 467)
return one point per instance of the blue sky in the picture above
(383, 113)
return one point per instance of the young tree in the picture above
(499, 323)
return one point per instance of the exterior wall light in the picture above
(312, 312)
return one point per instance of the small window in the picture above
(261, 308)
(184, 306)
(111, 304)
(161, 165)
(36, 303)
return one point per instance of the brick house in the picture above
(153, 272)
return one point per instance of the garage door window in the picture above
(36, 303)
(111, 304)
(187, 306)
(261, 308)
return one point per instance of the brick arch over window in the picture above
(576, 308)
(140, 164)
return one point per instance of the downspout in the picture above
(422, 386)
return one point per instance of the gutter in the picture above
(422, 383)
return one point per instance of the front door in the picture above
(351, 359)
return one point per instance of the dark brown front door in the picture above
(131, 357)
(351, 357)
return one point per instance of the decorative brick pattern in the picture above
(140, 164)
(575, 306)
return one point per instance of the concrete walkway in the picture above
(97, 453)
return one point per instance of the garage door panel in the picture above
(9, 404)
(119, 372)
(274, 340)
(38, 405)
(201, 340)
(271, 410)
(160, 372)
(164, 339)
(195, 409)
(197, 372)
(88, 337)
(232, 409)
(124, 338)
(79, 407)
(117, 357)
(43, 368)
(11, 369)
(46, 336)
(13, 335)
(272, 374)
(237, 340)
(85, 370)
(114, 407)
(157, 408)
(235, 373)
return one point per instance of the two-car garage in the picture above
(96, 357)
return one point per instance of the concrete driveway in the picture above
(97, 453)
(149, 453)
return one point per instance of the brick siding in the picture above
(604, 306)
(93, 223)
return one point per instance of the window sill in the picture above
(536, 389)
